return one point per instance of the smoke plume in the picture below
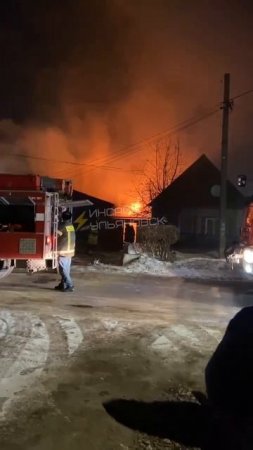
(83, 81)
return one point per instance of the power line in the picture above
(101, 163)
(121, 153)
(40, 158)
(134, 148)
(124, 152)
(165, 132)
(250, 91)
(175, 129)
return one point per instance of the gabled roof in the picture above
(197, 187)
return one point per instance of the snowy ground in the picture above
(190, 268)
(119, 335)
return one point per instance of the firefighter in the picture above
(66, 250)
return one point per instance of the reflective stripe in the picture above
(39, 217)
(68, 231)
(70, 228)
(63, 252)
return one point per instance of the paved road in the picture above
(42, 330)
(119, 290)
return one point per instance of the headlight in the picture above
(248, 255)
(248, 268)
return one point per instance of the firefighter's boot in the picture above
(60, 287)
(68, 289)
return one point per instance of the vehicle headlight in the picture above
(248, 268)
(248, 255)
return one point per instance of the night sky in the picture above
(80, 80)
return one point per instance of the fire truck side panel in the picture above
(35, 241)
(18, 245)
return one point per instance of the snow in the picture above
(34, 353)
(73, 333)
(189, 268)
(26, 345)
(29, 363)
(3, 328)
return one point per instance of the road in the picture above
(117, 336)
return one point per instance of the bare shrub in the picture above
(157, 240)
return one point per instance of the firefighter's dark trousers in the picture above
(64, 269)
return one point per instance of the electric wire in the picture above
(73, 163)
(121, 153)
(131, 150)
(102, 163)
(250, 91)
(134, 148)
(175, 129)
(146, 140)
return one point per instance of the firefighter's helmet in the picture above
(66, 216)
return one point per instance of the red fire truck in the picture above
(241, 253)
(29, 215)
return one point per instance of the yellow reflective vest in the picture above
(66, 240)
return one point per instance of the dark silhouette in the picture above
(129, 234)
(184, 422)
(229, 373)
(221, 421)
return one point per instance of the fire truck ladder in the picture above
(55, 213)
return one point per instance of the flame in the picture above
(135, 207)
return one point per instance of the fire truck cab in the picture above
(29, 218)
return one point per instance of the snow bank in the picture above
(194, 268)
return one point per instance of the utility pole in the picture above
(226, 106)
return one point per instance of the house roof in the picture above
(97, 202)
(198, 187)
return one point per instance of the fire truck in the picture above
(30, 207)
(241, 254)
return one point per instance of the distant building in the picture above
(192, 202)
(83, 216)
(97, 216)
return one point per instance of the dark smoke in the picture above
(82, 79)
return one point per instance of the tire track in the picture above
(29, 345)
(17, 331)
(58, 343)
(35, 352)
(73, 334)
(186, 338)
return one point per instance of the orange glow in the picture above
(129, 210)
(135, 208)
(88, 155)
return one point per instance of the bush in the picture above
(156, 240)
